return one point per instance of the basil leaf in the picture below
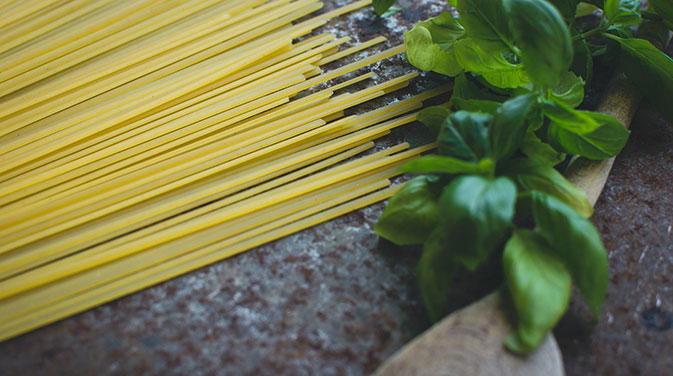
(606, 140)
(485, 20)
(623, 12)
(426, 55)
(583, 61)
(510, 125)
(664, 8)
(429, 45)
(445, 29)
(650, 70)
(531, 175)
(391, 11)
(570, 90)
(434, 272)
(490, 64)
(542, 152)
(476, 105)
(571, 119)
(535, 118)
(542, 37)
(539, 285)
(469, 96)
(621, 31)
(567, 8)
(589, 134)
(433, 117)
(381, 6)
(463, 136)
(655, 32)
(585, 9)
(447, 165)
(411, 214)
(476, 215)
(577, 243)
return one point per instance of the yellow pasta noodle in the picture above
(140, 140)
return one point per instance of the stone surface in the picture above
(634, 215)
(328, 301)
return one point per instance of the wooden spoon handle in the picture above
(469, 343)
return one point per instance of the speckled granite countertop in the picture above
(332, 301)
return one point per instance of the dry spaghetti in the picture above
(142, 140)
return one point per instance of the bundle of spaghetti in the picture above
(175, 80)
(14, 11)
(180, 165)
(165, 137)
(219, 228)
(156, 125)
(271, 215)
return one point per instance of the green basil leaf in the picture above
(542, 37)
(650, 70)
(476, 216)
(583, 61)
(433, 117)
(542, 152)
(381, 6)
(463, 136)
(429, 45)
(664, 8)
(605, 141)
(391, 11)
(469, 88)
(434, 272)
(569, 118)
(411, 214)
(621, 31)
(558, 111)
(470, 96)
(611, 8)
(623, 12)
(430, 164)
(585, 9)
(489, 63)
(445, 29)
(510, 125)
(627, 19)
(485, 20)
(535, 119)
(539, 285)
(531, 175)
(570, 90)
(567, 8)
(577, 242)
(577, 121)
(426, 55)
(420, 50)
(476, 105)
(506, 93)
(656, 32)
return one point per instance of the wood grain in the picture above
(469, 343)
